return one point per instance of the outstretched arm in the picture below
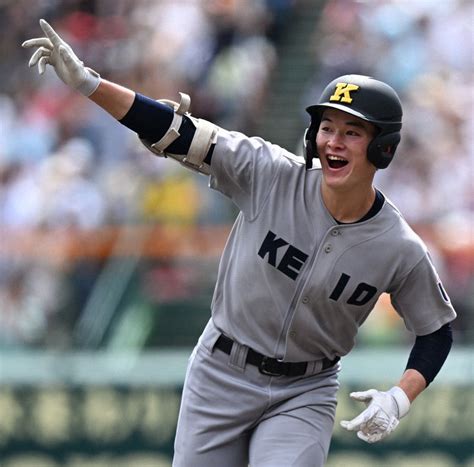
(166, 128)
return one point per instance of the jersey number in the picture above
(361, 295)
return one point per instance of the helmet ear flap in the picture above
(310, 144)
(382, 149)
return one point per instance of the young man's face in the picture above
(342, 141)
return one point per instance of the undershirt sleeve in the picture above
(430, 352)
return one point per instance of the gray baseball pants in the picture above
(232, 415)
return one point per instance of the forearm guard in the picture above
(204, 136)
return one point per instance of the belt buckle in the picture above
(266, 371)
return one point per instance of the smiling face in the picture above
(342, 142)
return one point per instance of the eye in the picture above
(353, 133)
(325, 128)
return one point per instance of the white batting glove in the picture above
(382, 415)
(54, 51)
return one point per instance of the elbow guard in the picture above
(204, 136)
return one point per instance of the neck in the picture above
(348, 206)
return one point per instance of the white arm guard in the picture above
(204, 137)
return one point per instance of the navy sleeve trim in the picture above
(430, 352)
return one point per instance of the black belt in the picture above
(271, 366)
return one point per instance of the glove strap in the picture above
(401, 399)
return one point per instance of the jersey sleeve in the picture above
(420, 299)
(244, 169)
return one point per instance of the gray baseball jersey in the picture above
(292, 282)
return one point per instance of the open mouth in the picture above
(336, 162)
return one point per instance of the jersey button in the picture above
(305, 300)
(335, 232)
(292, 333)
(328, 248)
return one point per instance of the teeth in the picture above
(335, 158)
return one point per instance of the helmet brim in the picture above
(319, 108)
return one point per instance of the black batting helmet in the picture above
(366, 98)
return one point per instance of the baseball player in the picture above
(309, 254)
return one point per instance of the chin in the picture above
(335, 178)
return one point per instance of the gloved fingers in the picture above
(42, 51)
(363, 436)
(359, 421)
(50, 33)
(363, 396)
(73, 64)
(377, 429)
(42, 63)
(370, 437)
(38, 42)
(347, 425)
(377, 423)
(66, 55)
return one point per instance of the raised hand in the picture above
(54, 51)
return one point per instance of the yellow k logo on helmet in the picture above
(342, 93)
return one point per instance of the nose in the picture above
(335, 140)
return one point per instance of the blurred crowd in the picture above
(65, 164)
